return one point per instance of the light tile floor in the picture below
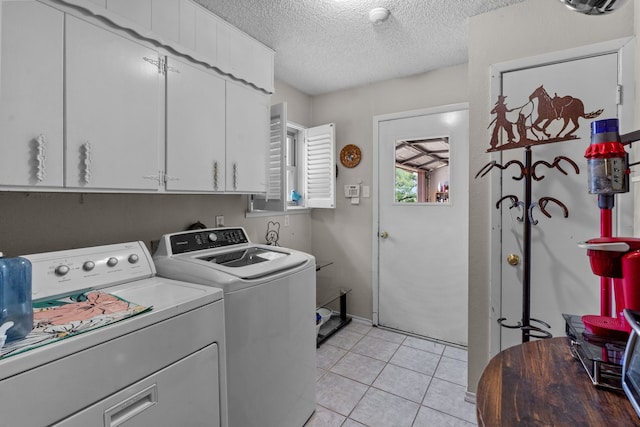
(378, 378)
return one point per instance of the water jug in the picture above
(15, 296)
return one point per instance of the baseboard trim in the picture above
(470, 397)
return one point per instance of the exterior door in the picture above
(422, 247)
(561, 278)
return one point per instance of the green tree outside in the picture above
(406, 186)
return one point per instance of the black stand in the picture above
(527, 172)
(335, 323)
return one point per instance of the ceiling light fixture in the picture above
(593, 7)
(379, 14)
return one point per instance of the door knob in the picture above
(513, 259)
(384, 235)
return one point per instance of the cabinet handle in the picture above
(215, 175)
(235, 175)
(41, 157)
(86, 171)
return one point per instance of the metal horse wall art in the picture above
(532, 119)
(531, 122)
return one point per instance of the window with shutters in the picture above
(301, 167)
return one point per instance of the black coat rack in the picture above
(528, 175)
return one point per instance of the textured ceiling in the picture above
(327, 45)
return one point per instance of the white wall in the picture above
(526, 29)
(343, 235)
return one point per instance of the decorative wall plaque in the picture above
(350, 156)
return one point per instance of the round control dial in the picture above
(112, 262)
(88, 265)
(213, 237)
(62, 270)
(133, 258)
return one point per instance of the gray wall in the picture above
(523, 30)
(344, 234)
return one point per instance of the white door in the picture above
(561, 279)
(422, 248)
(31, 94)
(113, 110)
(248, 123)
(195, 128)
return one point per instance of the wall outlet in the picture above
(219, 220)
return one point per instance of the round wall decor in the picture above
(350, 156)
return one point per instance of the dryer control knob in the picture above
(213, 237)
(88, 265)
(62, 270)
(133, 258)
(111, 262)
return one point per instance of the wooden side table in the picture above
(539, 383)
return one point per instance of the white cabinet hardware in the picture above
(86, 163)
(41, 157)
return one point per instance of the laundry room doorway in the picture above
(420, 243)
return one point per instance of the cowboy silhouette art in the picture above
(501, 122)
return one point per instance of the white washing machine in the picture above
(269, 295)
(161, 367)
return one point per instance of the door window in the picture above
(422, 170)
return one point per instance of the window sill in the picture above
(290, 211)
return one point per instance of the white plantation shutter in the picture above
(320, 178)
(277, 137)
(274, 198)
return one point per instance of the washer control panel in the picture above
(64, 272)
(207, 239)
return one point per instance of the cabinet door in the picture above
(206, 33)
(113, 106)
(188, 24)
(138, 11)
(31, 78)
(165, 19)
(247, 139)
(195, 128)
(244, 57)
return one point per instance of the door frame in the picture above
(375, 283)
(625, 48)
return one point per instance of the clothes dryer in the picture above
(115, 345)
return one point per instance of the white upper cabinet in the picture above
(164, 19)
(113, 110)
(188, 24)
(195, 128)
(206, 35)
(245, 58)
(31, 85)
(87, 105)
(192, 30)
(138, 11)
(247, 139)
